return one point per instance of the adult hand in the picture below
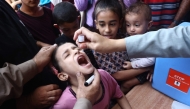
(42, 44)
(43, 57)
(90, 92)
(44, 96)
(172, 25)
(98, 43)
(14, 3)
(93, 40)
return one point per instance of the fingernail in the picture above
(54, 44)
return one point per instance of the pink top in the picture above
(110, 90)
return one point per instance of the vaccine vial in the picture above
(81, 38)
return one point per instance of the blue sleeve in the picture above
(173, 42)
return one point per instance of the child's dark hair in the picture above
(65, 12)
(112, 5)
(54, 59)
(140, 8)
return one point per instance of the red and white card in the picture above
(178, 80)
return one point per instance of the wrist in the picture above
(118, 45)
(39, 69)
(81, 102)
(176, 22)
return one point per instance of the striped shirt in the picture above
(163, 11)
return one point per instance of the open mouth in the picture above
(132, 34)
(82, 60)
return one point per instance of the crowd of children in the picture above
(119, 73)
(117, 66)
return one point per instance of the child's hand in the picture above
(127, 65)
(150, 75)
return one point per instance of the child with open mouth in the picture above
(68, 59)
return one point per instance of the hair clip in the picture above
(55, 71)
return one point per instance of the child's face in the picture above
(136, 24)
(69, 29)
(108, 23)
(71, 59)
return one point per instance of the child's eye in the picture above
(101, 25)
(66, 55)
(112, 24)
(127, 25)
(137, 25)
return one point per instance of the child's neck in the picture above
(74, 88)
(35, 12)
(74, 83)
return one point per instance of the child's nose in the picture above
(107, 29)
(132, 28)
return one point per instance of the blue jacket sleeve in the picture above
(173, 42)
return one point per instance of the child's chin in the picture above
(89, 71)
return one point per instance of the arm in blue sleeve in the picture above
(173, 42)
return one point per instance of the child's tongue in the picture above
(82, 61)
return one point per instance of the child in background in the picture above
(68, 23)
(39, 22)
(68, 59)
(67, 19)
(89, 5)
(108, 19)
(138, 21)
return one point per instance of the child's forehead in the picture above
(133, 13)
(107, 16)
(67, 45)
(139, 15)
(106, 11)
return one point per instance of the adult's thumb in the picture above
(51, 48)
(87, 45)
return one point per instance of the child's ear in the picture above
(63, 76)
(96, 24)
(56, 26)
(79, 18)
(150, 24)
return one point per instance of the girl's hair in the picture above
(140, 8)
(54, 60)
(112, 5)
